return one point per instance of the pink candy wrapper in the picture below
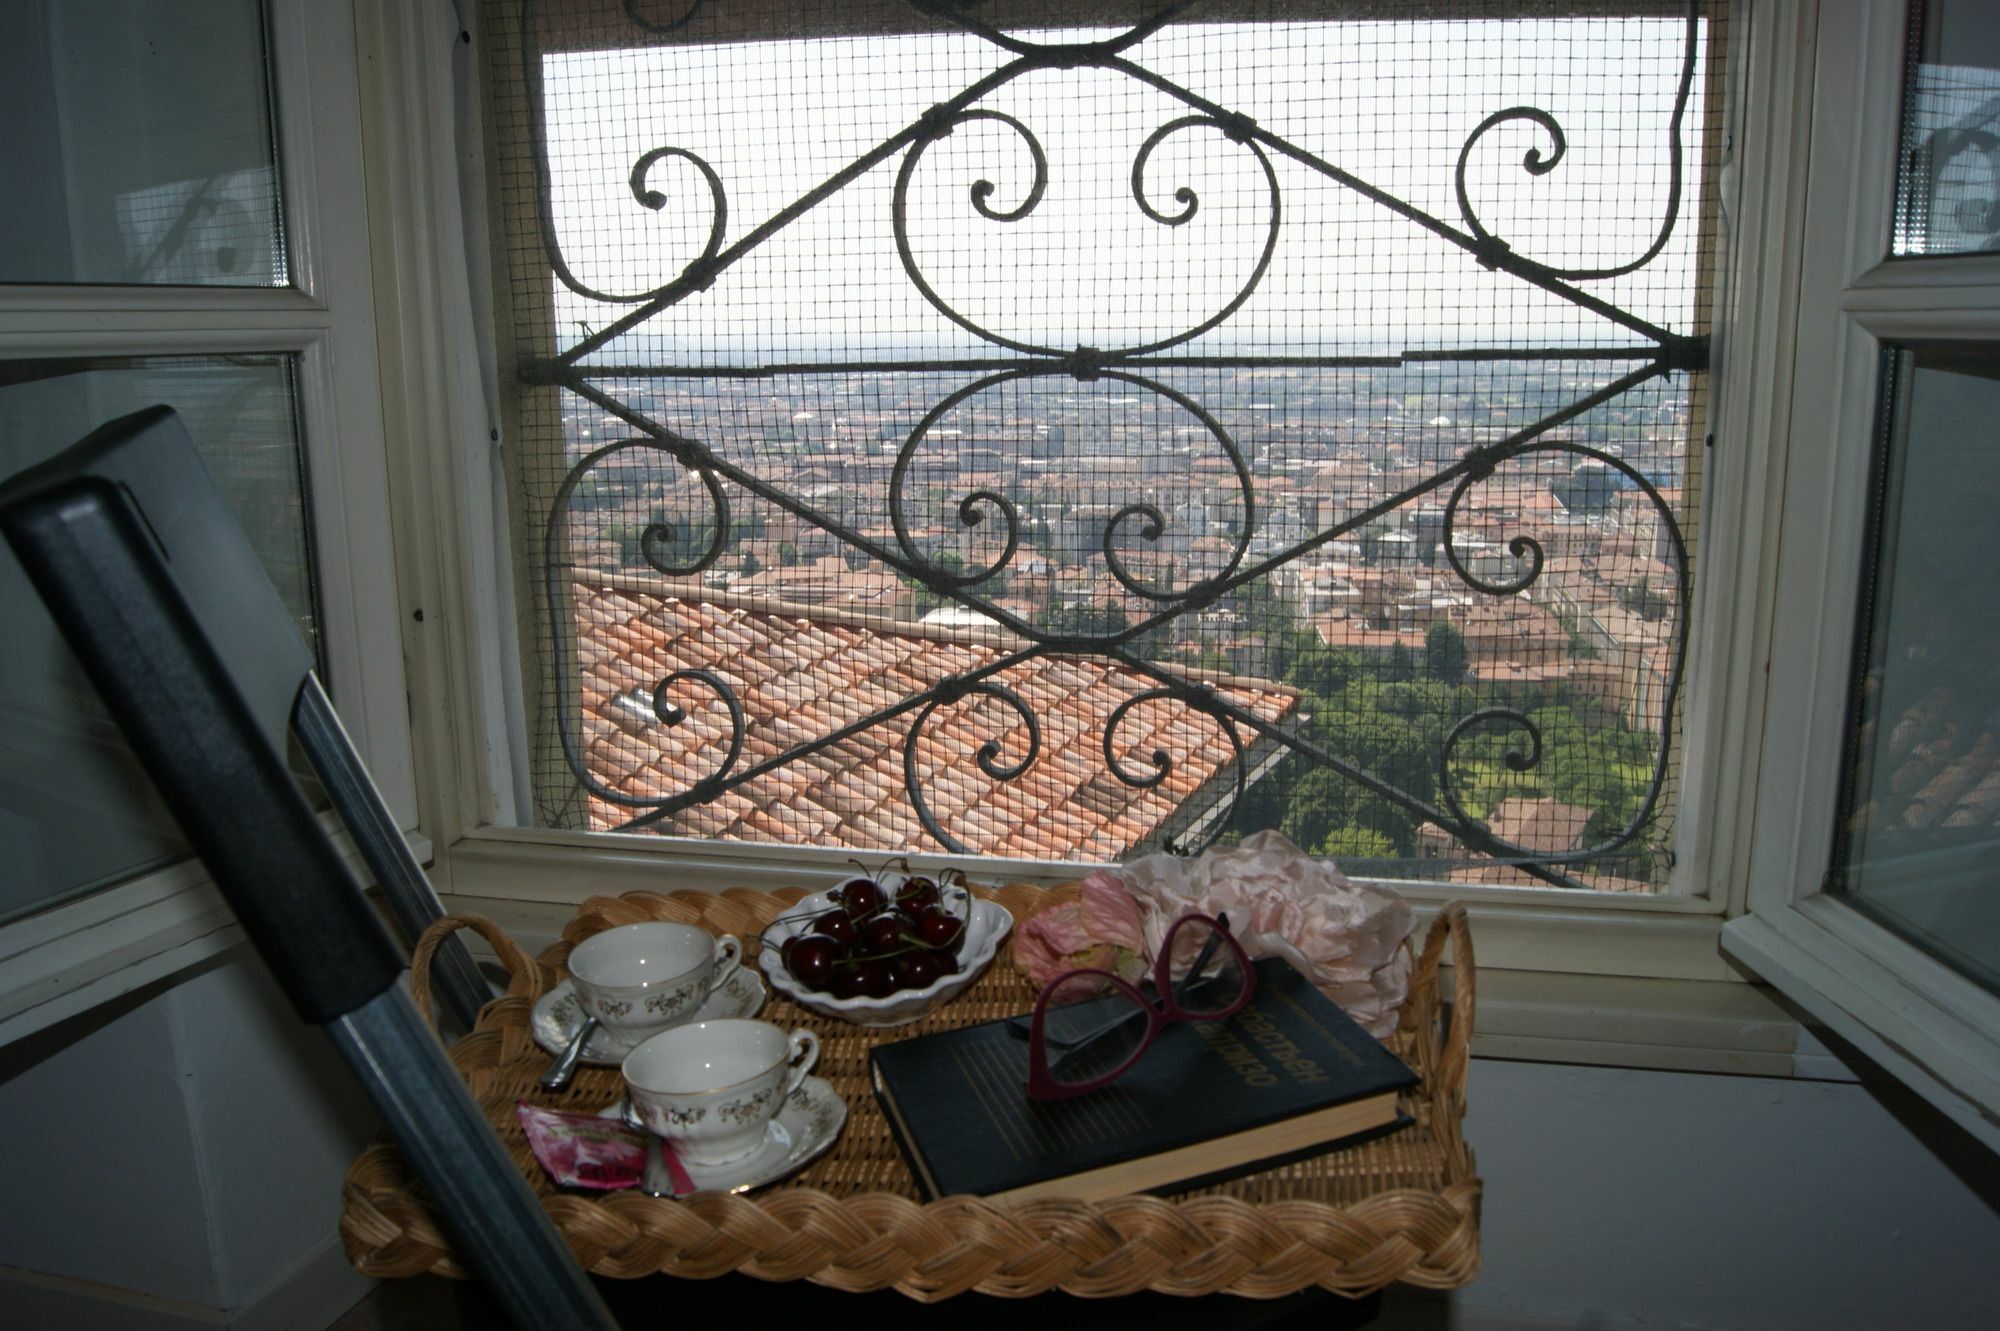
(583, 1150)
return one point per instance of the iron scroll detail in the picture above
(1133, 536)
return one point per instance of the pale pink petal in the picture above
(1110, 915)
(1045, 943)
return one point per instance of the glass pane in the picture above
(138, 151)
(1920, 834)
(76, 811)
(1948, 187)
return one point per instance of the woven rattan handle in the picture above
(526, 978)
(1451, 926)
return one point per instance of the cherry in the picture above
(916, 970)
(847, 980)
(837, 925)
(866, 978)
(939, 928)
(884, 933)
(860, 897)
(916, 895)
(876, 979)
(811, 959)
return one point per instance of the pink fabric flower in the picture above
(1344, 936)
(1101, 931)
(1110, 915)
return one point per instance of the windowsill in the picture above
(1535, 1002)
(1663, 1025)
(1615, 937)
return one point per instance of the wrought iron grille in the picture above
(1396, 528)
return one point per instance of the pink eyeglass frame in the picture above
(1043, 1086)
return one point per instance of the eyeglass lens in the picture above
(1208, 978)
(1090, 1029)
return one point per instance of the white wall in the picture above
(188, 1148)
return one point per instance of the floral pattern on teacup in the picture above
(684, 1116)
(610, 1009)
(667, 1004)
(746, 1111)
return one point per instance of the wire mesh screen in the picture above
(938, 429)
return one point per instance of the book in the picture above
(1289, 1077)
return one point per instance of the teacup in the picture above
(640, 979)
(713, 1087)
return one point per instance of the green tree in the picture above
(947, 562)
(1374, 538)
(1320, 671)
(1321, 803)
(1357, 843)
(1445, 654)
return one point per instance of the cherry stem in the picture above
(915, 945)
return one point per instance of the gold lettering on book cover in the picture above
(1004, 1126)
(1333, 1041)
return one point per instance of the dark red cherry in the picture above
(837, 925)
(916, 970)
(860, 897)
(915, 896)
(875, 980)
(811, 959)
(939, 928)
(884, 933)
(847, 979)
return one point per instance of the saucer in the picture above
(557, 1014)
(803, 1130)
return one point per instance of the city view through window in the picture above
(1077, 482)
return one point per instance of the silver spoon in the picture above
(564, 1067)
(662, 1165)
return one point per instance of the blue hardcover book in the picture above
(1291, 1076)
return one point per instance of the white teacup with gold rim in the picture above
(713, 1087)
(641, 979)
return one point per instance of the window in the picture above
(1759, 752)
(179, 229)
(1060, 443)
(1872, 892)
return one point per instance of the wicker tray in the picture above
(1402, 1208)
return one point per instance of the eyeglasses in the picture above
(1089, 1027)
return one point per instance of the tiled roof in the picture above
(1545, 825)
(801, 674)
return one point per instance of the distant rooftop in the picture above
(802, 673)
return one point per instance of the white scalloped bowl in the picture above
(985, 930)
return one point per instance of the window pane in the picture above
(76, 811)
(138, 151)
(1921, 828)
(1948, 188)
(1107, 474)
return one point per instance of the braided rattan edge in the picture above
(867, 1241)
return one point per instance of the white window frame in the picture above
(1639, 981)
(1915, 1016)
(82, 952)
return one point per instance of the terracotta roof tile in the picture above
(800, 676)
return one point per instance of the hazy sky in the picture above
(1392, 104)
